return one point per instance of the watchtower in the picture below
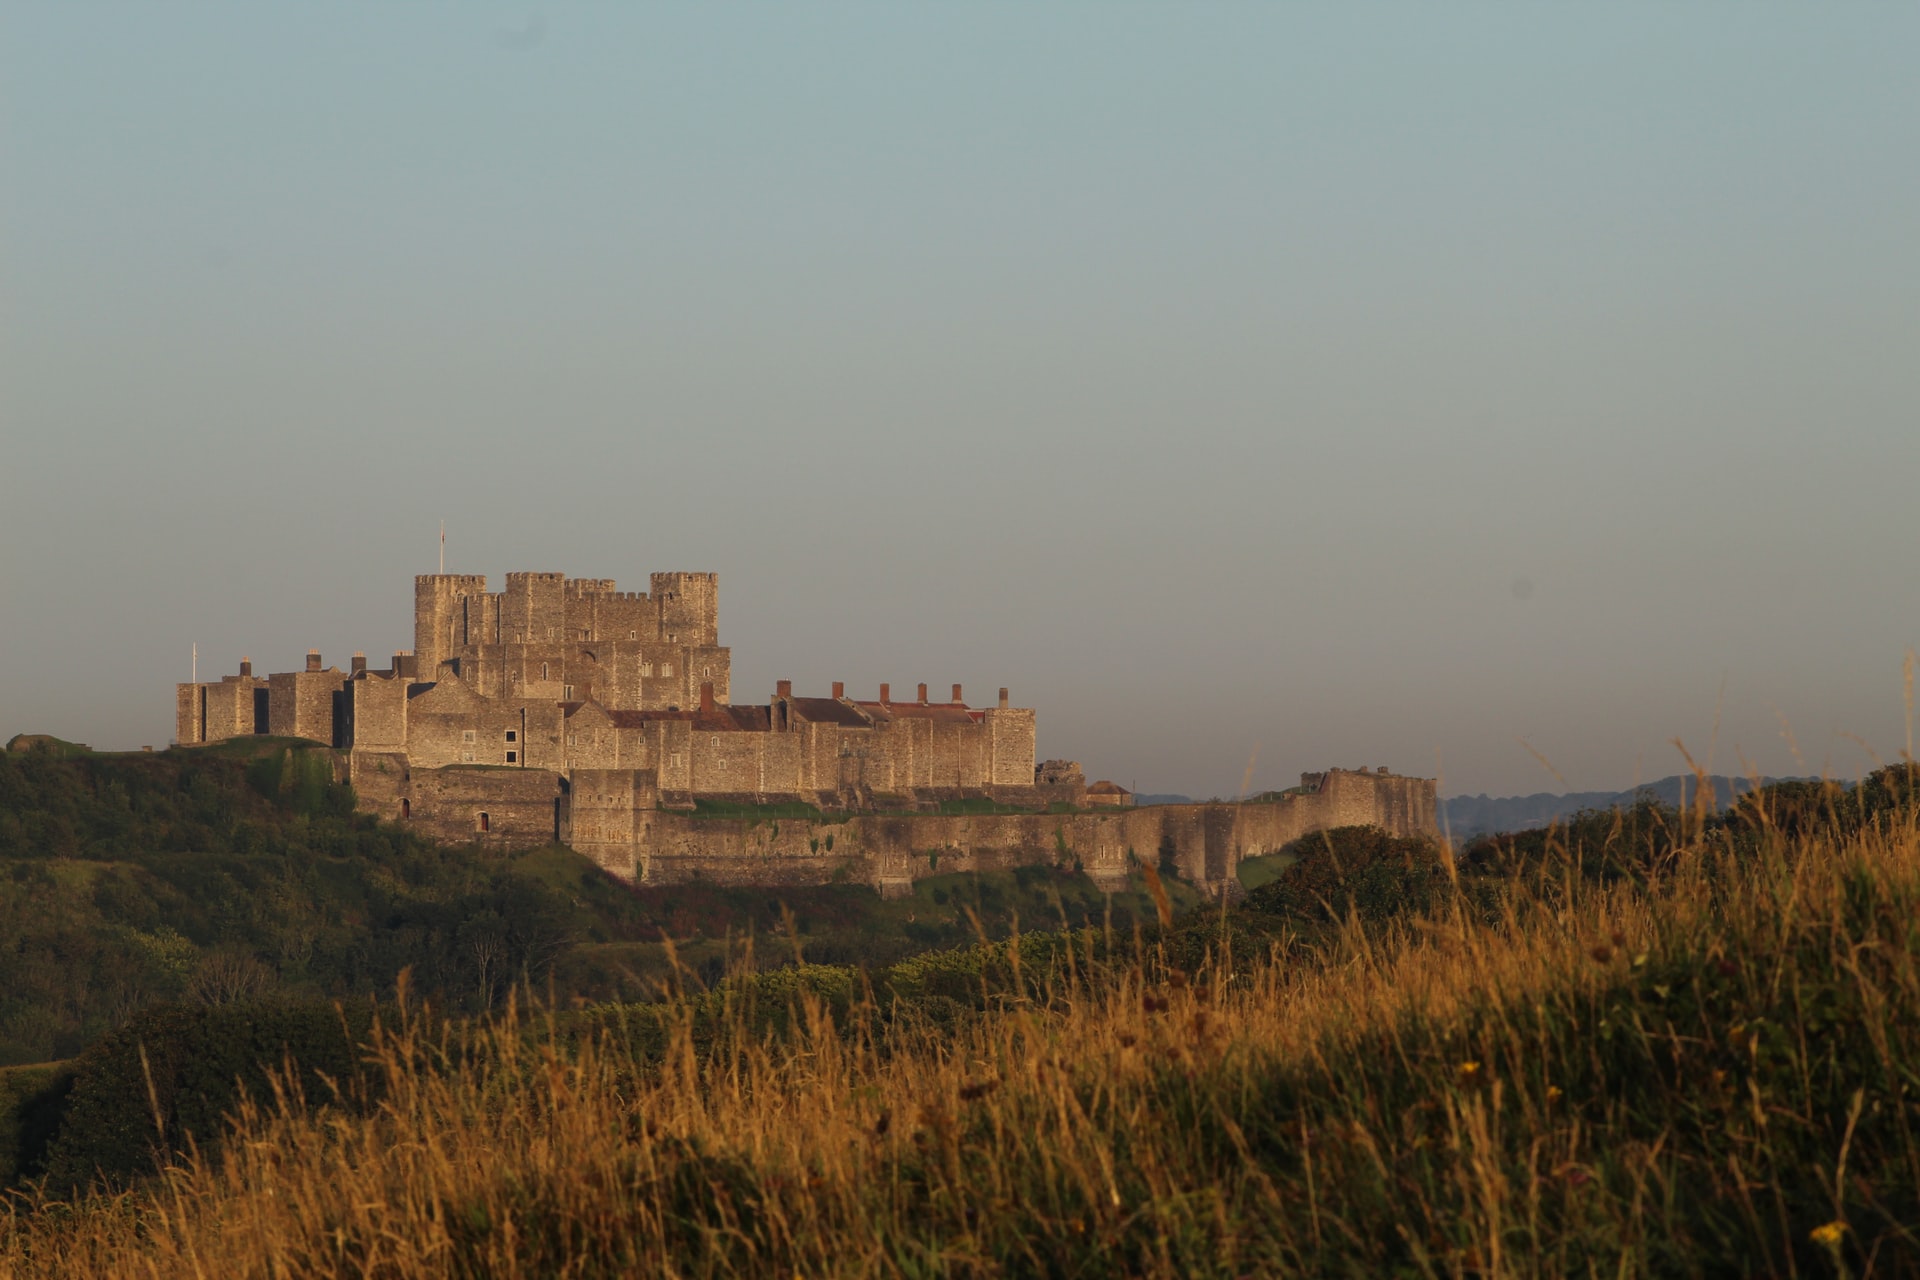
(689, 606)
(443, 609)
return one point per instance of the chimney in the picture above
(957, 699)
(398, 662)
(923, 693)
(359, 663)
(1003, 698)
(839, 689)
(246, 666)
(313, 659)
(886, 694)
(783, 689)
(706, 695)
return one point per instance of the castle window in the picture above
(705, 672)
(406, 808)
(568, 693)
(543, 671)
(676, 759)
(573, 739)
(513, 757)
(466, 757)
(633, 635)
(486, 822)
(466, 735)
(513, 735)
(586, 633)
(666, 668)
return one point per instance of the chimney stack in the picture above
(957, 699)
(1003, 698)
(706, 695)
(886, 694)
(246, 666)
(783, 689)
(839, 689)
(313, 659)
(359, 663)
(923, 693)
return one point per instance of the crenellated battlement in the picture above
(469, 583)
(510, 703)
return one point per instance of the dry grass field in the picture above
(1709, 1068)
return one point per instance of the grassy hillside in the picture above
(241, 872)
(1645, 1044)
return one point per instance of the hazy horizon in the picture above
(1384, 386)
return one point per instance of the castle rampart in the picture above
(563, 709)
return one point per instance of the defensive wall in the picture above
(562, 709)
(614, 817)
(609, 821)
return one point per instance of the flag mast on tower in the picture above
(443, 548)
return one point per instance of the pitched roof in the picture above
(938, 712)
(447, 694)
(828, 711)
(722, 719)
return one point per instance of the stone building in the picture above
(562, 709)
(507, 696)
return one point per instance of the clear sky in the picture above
(1380, 385)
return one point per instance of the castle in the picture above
(562, 709)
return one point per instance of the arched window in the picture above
(406, 808)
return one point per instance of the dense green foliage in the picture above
(241, 871)
(173, 1074)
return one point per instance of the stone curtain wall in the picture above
(300, 703)
(1205, 842)
(523, 807)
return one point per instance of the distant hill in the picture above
(1168, 797)
(1467, 816)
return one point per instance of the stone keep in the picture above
(562, 709)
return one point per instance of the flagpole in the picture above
(443, 548)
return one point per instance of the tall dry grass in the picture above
(1710, 1073)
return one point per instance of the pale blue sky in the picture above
(1380, 384)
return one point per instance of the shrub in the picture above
(1359, 870)
(32, 1101)
(172, 1075)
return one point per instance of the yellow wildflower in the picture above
(1828, 1234)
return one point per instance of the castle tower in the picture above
(689, 607)
(533, 609)
(443, 609)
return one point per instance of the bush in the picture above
(32, 1101)
(1354, 870)
(173, 1075)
